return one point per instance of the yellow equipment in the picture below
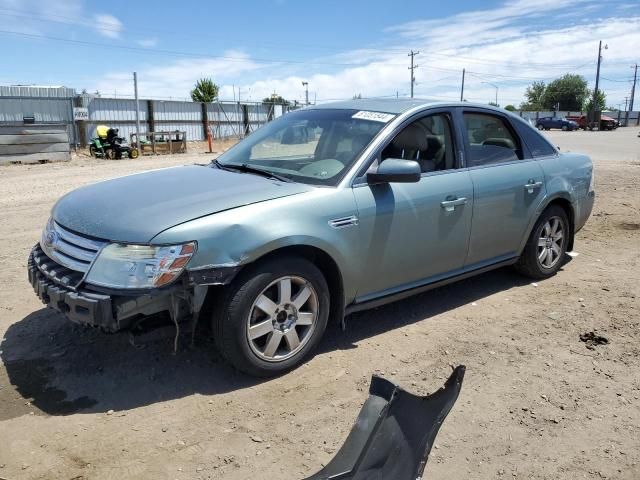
(101, 131)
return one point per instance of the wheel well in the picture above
(320, 259)
(566, 206)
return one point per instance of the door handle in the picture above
(532, 186)
(450, 205)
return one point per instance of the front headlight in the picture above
(139, 266)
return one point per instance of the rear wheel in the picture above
(133, 153)
(272, 316)
(543, 254)
(92, 151)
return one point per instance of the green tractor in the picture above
(107, 144)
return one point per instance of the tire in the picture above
(565, 128)
(533, 261)
(133, 153)
(261, 340)
(540, 127)
(92, 151)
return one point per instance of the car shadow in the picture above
(61, 368)
(369, 323)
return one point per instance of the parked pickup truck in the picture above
(606, 122)
(376, 201)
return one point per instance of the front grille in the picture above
(53, 270)
(69, 249)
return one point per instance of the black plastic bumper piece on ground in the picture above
(393, 434)
(87, 308)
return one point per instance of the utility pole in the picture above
(496, 87)
(412, 68)
(462, 88)
(306, 92)
(633, 91)
(135, 91)
(595, 91)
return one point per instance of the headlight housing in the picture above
(139, 266)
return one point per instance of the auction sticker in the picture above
(373, 116)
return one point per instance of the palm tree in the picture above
(204, 91)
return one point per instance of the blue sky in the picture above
(341, 48)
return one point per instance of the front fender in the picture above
(240, 236)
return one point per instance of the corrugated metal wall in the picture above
(182, 116)
(45, 110)
(36, 91)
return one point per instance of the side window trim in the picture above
(449, 113)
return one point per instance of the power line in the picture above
(117, 27)
(180, 53)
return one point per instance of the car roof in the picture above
(394, 105)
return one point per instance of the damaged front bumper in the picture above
(394, 433)
(112, 310)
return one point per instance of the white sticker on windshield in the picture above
(373, 116)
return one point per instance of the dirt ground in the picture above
(535, 404)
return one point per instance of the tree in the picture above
(535, 95)
(357, 96)
(494, 104)
(510, 108)
(568, 92)
(204, 91)
(275, 99)
(601, 101)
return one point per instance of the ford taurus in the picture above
(322, 212)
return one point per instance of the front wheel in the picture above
(565, 128)
(540, 127)
(272, 316)
(542, 255)
(133, 153)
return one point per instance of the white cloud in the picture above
(108, 25)
(177, 79)
(148, 42)
(18, 15)
(510, 46)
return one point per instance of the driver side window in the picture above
(428, 141)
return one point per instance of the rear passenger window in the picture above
(491, 140)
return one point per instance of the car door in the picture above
(508, 187)
(415, 232)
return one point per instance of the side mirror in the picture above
(395, 170)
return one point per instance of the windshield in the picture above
(308, 146)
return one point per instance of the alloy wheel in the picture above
(551, 242)
(282, 318)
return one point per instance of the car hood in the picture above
(137, 207)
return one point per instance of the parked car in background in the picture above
(547, 123)
(325, 211)
(606, 122)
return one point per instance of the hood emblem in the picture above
(51, 239)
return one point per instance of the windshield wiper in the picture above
(245, 167)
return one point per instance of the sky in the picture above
(341, 48)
